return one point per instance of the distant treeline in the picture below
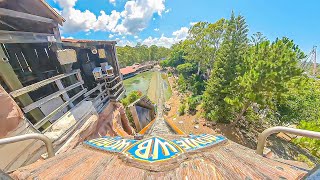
(128, 55)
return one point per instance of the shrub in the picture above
(182, 109)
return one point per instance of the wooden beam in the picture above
(12, 81)
(114, 87)
(24, 37)
(94, 89)
(60, 108)
(50, 97)
(7, 24)
(22, 15)
(40, 84)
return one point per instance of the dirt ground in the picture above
(188, 121)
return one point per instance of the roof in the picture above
(53, 11)
(127, 70)
(226, 160)
(86, 41)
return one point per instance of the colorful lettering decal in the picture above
(106, 143)
(153, 150)
(194, 142)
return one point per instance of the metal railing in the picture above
(24, 137)
(266, 133)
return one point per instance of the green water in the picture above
(139, 82)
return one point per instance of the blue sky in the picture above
(164, 22)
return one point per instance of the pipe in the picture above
(266, 133)
(24, 137)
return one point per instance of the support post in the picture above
(10, 78)
(64, 95)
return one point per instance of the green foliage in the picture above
(132, 96)
(182, 84)
(193, 102)
(301, 102)
(182, 109)
(186, 69)
(313, 145)
(305, 159)
(128, 55)
(226, 69)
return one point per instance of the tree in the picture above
(268, 68)
(227, 68)
(203, 42)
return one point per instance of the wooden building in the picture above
(51, 80)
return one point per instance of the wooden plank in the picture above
(114, 87)
(40, 84)
(94, 89)
(24, 37)
(113, 80)
(50, 97)
(21, 15)
(117, 93)
(60, 108)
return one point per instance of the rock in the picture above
(196, 121)
(196, 126)
(180, 122)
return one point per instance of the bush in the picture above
(182, 109)
(313, 145)
(193, 102)
(132, 96)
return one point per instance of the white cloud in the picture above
(167, 11)
(111, 36)
(193, 23)
(66, 3)
(156, 29)
(113, 2)
(136, 37)
(133, 19)
(164, 41)
(106, 22)
(137, 14)
(126, 43)
(154, 19)
(77, 20)
(181, 34)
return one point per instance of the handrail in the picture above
(266, 133)
(24, 137)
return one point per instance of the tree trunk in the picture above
(244, 109)
(199, 64)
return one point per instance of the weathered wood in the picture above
(225, 161)
(65, 94)
(60, 108)
(117, 93)
(115, 86)
(113, 80)
(94, 89)
(24, 37)
(10, 78)
(21, 15)
(40, 84)
(50, 97)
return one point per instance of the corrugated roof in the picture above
(127, 70)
